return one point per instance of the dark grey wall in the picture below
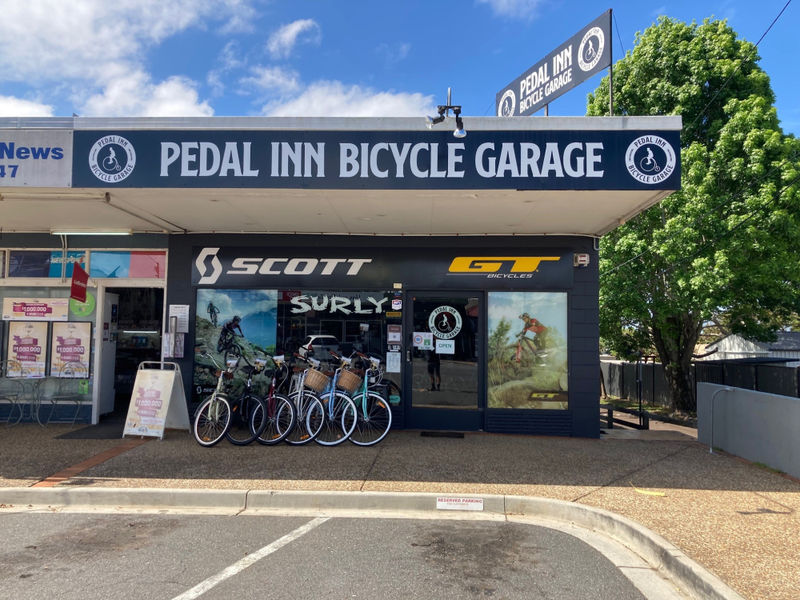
(584, 366)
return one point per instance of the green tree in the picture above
(725, 247)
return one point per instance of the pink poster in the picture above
(27, 348)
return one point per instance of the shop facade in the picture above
(469, 266)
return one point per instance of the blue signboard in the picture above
(524, 160)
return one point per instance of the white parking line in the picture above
(239, 566)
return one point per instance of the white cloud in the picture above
(334, 99)
(525, 9)
(281, 43)
(229, 59)
(271, 79)
(394, 54)
(135, 95)
(87, 39)
(17, 107)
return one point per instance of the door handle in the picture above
(408, 355)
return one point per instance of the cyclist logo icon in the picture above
(648, 164)
(508, 104)
(591, 49)
(110, 162)
(650, 159)
(445, 322)
(112, 158)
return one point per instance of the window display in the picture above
(306, 323)
(527, 364)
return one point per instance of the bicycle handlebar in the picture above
(311, 361)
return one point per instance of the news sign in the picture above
(572, 63)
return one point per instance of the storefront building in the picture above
(468, 265)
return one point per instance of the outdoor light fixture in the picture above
(91, 232)
(444, 112)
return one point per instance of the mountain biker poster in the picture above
(232, 321)
(527, 366)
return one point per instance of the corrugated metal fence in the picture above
(620, 379)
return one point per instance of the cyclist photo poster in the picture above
(527, 350)
(231, 321)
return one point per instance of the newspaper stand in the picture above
(158, 401)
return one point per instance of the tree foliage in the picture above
(725, 247)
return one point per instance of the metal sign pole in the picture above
(611, 64)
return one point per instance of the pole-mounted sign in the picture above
(573, 62)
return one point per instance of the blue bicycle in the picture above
(373, 414)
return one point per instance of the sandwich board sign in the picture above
(158, 401)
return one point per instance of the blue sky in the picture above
(330, 58)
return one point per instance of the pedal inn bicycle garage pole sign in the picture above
(573, 62)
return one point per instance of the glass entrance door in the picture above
(443, 361)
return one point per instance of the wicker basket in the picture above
(348, 381)
(316, 380)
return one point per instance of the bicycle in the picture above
(340, 410)
(279, 412)
(374, 416)
(309, 409)
(213, 416)
(243, 429)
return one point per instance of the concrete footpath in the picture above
(713, 522)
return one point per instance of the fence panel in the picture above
(740, 376)
(777, 380)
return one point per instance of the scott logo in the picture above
(216, 266)
(267, 266)
(519, 266)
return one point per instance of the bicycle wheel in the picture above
(340, 418)
(374, 419)
(240, 432)
(212, 420)
(279, 416)
(310, 416)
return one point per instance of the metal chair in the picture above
(12, 392)
(64, 388)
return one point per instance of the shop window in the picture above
(289, 322)
(527, 366)
(43, 263)
(135, 264)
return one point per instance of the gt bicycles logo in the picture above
(216, 266)
(499, 267)
(267, 266)
(112, 159)
(591, 49)
(445, 322)
(650, 159)
(508, 104)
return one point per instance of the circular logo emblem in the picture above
(444, 322)
(508, 104)
(650, 159)
(83, 309)
(112, 158)
(591, 49)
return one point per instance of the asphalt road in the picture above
(169, 556)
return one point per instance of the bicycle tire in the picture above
(280, 416)
(374, 420)
(340, 418)
(240, 431)
(211, 420)
(310, 415)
